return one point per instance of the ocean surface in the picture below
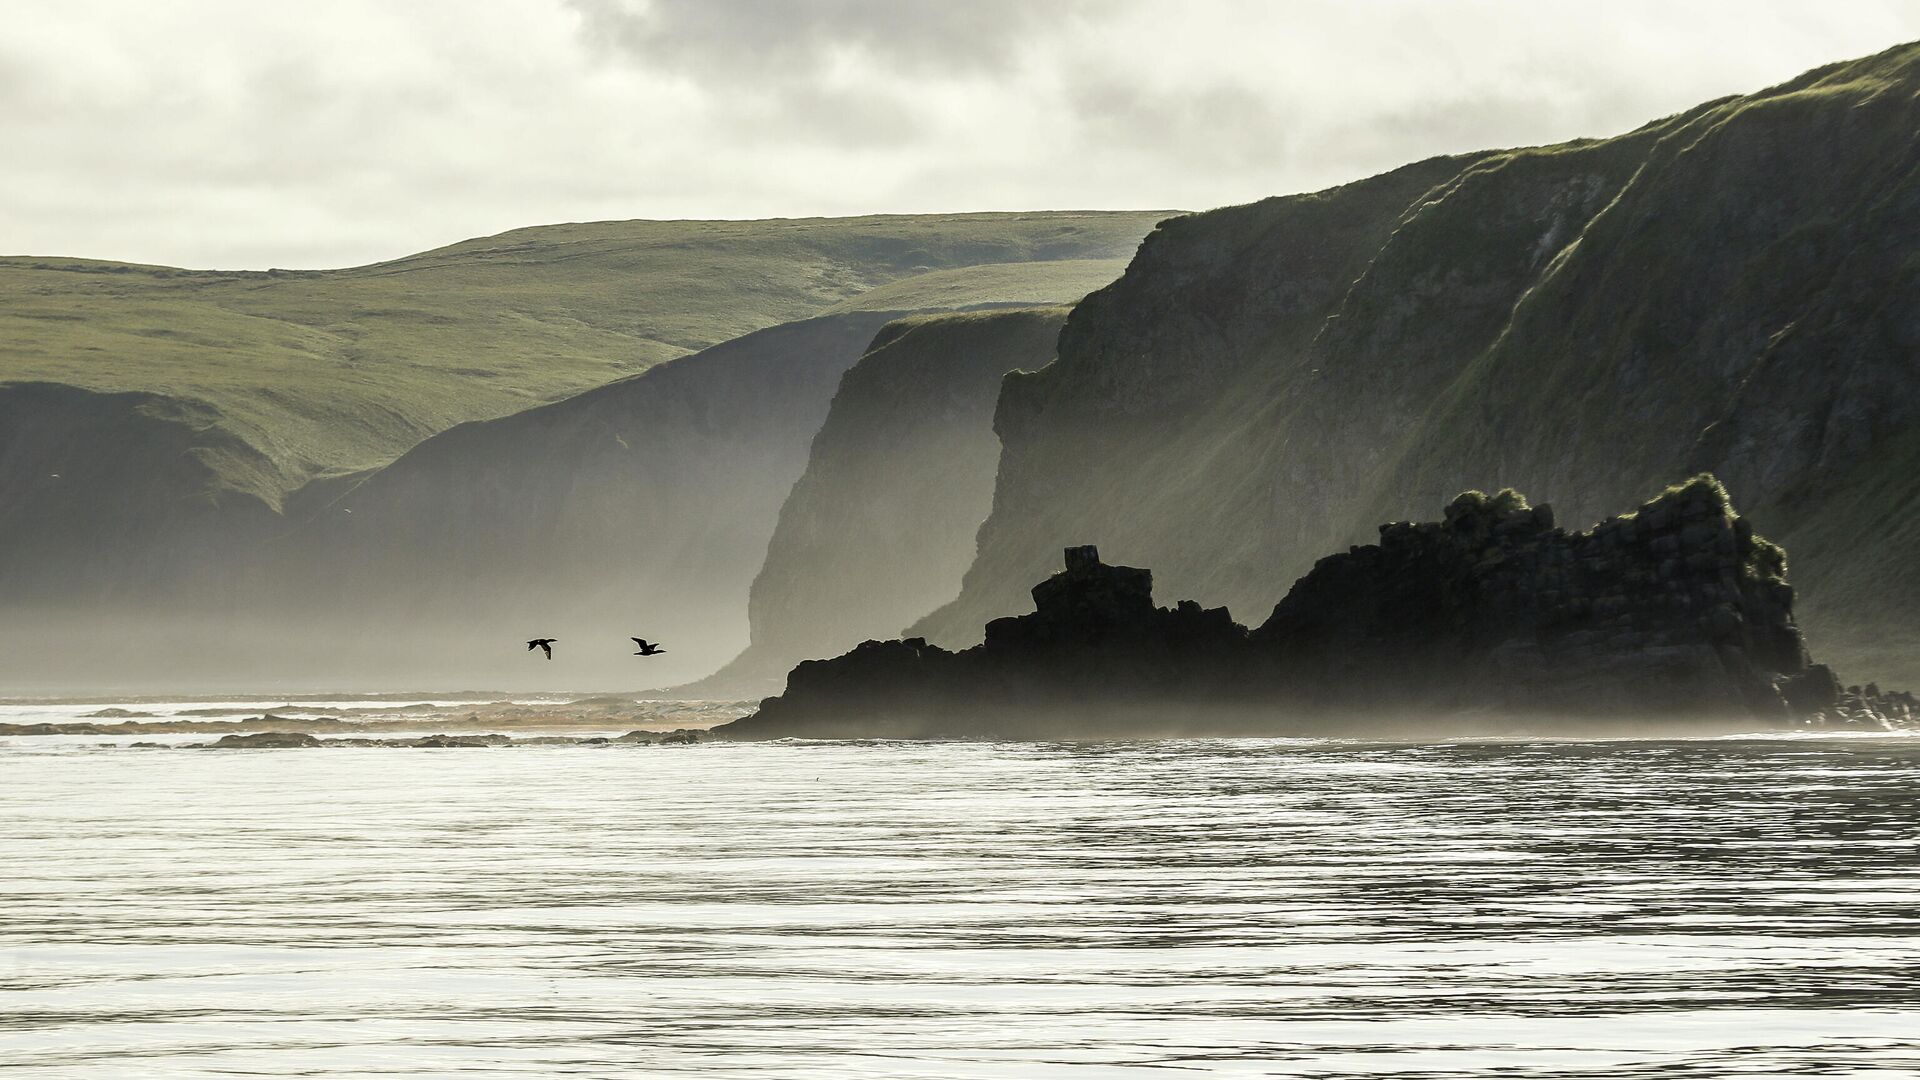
(1708, 908)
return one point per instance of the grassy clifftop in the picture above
(324, 372)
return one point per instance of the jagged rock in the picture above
(1675, 612)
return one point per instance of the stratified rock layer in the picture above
(1490, 619)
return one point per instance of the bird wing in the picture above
(640, 641)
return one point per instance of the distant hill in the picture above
(302, 374)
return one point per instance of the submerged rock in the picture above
(444, 741)
(1675, 612)
(264, 740)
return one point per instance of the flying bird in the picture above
(544, 644)
(647, 648)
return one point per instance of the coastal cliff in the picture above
(1731, 289)
(879, 528)
(1492, 619)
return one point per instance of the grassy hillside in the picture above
(1730, 289)
(316, 373)
(1031, 284)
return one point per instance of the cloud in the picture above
(237, 134)
(778, 40)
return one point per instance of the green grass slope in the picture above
(316, 373)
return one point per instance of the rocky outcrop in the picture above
(1491, 619)
(1677, 609)
(879, 529)
(1726, 290)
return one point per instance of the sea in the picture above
(1711, 908)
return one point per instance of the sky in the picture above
(241, 134)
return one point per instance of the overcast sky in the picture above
(251, 133)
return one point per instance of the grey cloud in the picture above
(846, 118)
(1224, 125)
(782, 39)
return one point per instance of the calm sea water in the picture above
(1714, 908)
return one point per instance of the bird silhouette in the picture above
(647, 648)
(545, 644)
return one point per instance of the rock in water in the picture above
(1675, 612)
(264, 740)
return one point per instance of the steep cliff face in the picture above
(1156, 373)
(1728, 289)
(879, 529)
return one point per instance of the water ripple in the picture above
(1703, 908)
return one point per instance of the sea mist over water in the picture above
(1640, 908)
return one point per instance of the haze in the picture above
(246, 135)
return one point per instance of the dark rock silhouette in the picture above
(1492, 618)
